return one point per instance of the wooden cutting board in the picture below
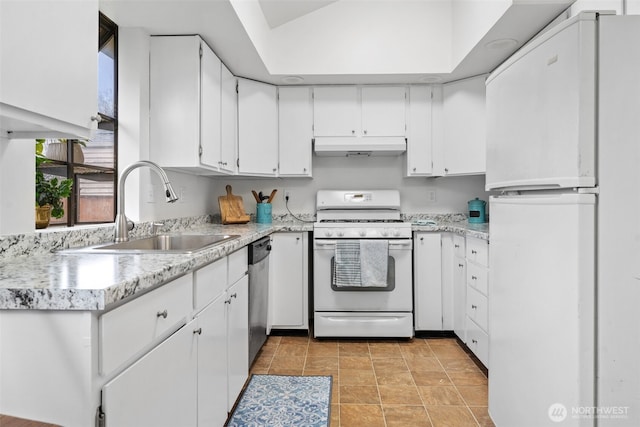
(232, 209)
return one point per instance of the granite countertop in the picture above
(93, 282)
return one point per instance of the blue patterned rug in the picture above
(283, 400)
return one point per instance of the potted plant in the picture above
(49, 192)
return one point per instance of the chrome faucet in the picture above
(123, 224)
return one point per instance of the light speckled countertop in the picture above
(80, 281)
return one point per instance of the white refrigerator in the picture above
(563, 163)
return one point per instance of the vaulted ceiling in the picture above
(348, 41)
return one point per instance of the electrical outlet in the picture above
(431, 195)
(286, 195)
(150, 195)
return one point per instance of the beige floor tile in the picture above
(384, 350)
(358, 348)
(468, 378)
(482, 416)
(335, 415)
(432, 378)
(451, 416)
(288, 362)
(284, 371)
(449, 352)
(291, 350)
(323, 349)
(360, 394)
(395, 378)
(405, 416)
(316, 363)
(440, 395)
(355, 362)
(389, 365)
(361, 416)
(357, 377)
(424, 364)
(299, 340)
(459, 365)
(399, 395)
(474, 395)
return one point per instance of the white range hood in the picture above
(359, 146)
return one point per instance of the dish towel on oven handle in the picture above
(374, 258)
(346, 271)
(361, 263)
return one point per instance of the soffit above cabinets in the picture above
(348, 41)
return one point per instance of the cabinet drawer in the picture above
(209, 282)
(477, 308)
(238, 265)
(130, 328)
(478, 251)
(458, 245)
(477, 277)
(478, 341)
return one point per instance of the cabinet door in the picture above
(49, 67)
(159, 389)
(295, 125)
(336, 111)
(428, 282)
(419, 158)
(174, 97)
(212, 364)
(237, 299)
(384, 111)
(258, 128)
(229, 122)
(288, 267)
(210, 104)
(464, 128)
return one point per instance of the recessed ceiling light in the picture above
(430, 79)
(292, 79)
(501, 44)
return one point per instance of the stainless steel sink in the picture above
(161, 243)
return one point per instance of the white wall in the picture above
(452, 193)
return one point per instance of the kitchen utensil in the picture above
(272, 195)
(232, 208)
(255, 196)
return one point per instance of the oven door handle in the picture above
(402, 244)
(325, 242)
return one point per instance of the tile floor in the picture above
(387, 383)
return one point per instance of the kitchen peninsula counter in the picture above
(47, 280)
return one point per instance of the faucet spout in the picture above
(122, 224)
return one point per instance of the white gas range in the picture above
(362, 265)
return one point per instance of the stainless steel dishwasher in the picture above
(258, 294)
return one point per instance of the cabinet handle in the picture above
(227, 301)
(474, 278)
(97, 118)
(446, 170)
(474, 306)
(421, 239)
(198, 331)
(162, 314)
(365, 131)
(473, 251)
(353, 132)
(234, 295)
(460, 265)
(304, 170)
(474, 341)
(275, 169)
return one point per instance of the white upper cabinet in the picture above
(295, 126)
(336, 111)
(419, 159)
(384, 111)
(49, 68)
(257, 128)
(185, 105)
(229, 122)
(359, 111)
(462, 139)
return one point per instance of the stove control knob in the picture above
(385, 233)
(328, 233)
(396, 233)
(340, 233)
(362, 233)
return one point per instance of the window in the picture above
(92, 165)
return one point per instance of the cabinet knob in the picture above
(227, 301)
(460, 265)
(304, 170)
(235, 295)
(365, 131)
(353, 132)
(474, 341)
(198, 331)
(446, 170)
(474, 277)
(162, 314)
(474, 306)
(473, 251)
(414, 169)
(456, 246)
(97, 118)
(275, 169)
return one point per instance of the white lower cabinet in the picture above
(159, 389)
(477, 298)
(237, 300)
(459, 284)
(289, 281)
(428, 284)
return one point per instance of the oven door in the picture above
(397, 296)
